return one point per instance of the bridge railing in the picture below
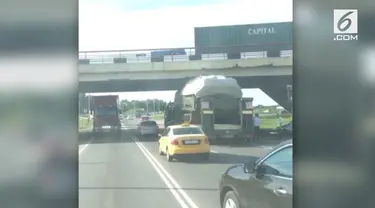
(190, 53)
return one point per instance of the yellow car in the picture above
(184, 140)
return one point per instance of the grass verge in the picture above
(158, 117)
(84, 123)
(272, 122)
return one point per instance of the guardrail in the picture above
(145, 55)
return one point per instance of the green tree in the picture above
(152, 105)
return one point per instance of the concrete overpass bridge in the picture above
(110, 73)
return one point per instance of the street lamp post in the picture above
(79, 104)
(289, 92)
(134, 106)
(154, 105)
(88, 104)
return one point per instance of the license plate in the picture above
(228, 136)
(191, 142)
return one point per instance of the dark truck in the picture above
(214, 103)
(106, 114)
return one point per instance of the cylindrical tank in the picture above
(212, 85)
(178, 98)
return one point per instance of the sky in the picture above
(147, 24)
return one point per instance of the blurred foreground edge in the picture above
(333, 152)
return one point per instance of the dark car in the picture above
(285, 130)
(266, 182)
(148, 127)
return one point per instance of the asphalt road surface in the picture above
(129, 172)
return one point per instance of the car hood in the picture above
(233, 167)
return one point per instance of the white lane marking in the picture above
(213, 151)
(162, 176)
(84, 147)
(171, 179)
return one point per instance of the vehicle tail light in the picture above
(174, 141)
(206, 140)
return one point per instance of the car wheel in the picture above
(160, 151)
(169, 157)
(230, 200)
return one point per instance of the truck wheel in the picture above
(118, 134)
(206, 156)
(94, 134)
(241, 141)
(218, 141)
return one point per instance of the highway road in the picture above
(129, 172)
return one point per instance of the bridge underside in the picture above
(273, 86)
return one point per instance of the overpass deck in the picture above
(119, 71)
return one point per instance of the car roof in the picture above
(147, 121)
(281, 144)
(286, 142)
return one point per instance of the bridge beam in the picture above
(273, 86)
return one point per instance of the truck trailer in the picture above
(106, 115)
(215, 103)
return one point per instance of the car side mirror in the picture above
(261, 170)
(249, 166)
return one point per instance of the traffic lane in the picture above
(250, 149)
(135, 122)
(117, 174)
(200, 180)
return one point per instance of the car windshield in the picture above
(106, 111)
(187, 130)
(271, 150)
(149, 123)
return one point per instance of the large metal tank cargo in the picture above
(177, 98)
(212, 85)
(223, 117)
(222, 92)
(244, 38)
